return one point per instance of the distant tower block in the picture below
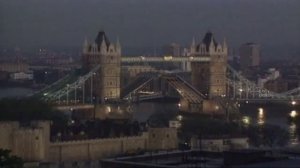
(249, 56)
(210, 78)
(106, 81)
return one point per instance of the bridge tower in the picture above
(210, 78)
(106, 81)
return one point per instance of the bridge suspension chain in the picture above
(79, 83)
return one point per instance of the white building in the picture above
(21, 76)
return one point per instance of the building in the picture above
(14, 67)
(209, 78)
(32, 143)
(220, 144)
(106, 81)
(249, 56)
(173, 49)
(21, 76)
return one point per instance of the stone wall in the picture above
(162, 139)
(32, 143)
(7, 130)
(97, 148)
(29, 143)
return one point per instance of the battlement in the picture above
(99, 140)
(32, 143)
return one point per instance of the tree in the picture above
(27, 109)
(267, 135)
(9, 161)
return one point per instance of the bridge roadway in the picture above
(164, 59)
(70, 107)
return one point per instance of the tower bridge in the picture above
(211, 77)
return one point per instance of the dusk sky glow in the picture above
(29, 23)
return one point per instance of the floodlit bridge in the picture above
(211, 78)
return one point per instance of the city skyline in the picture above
(147, 23)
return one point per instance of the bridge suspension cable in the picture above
(79, 83)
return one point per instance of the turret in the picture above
(219, 48)
(94, 48)
(103, 47)
(211, 46)
(225, 48)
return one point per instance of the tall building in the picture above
(209, 77)
(173, 49)
(249, 56)
(106, 81)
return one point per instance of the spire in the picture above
(85, 45)
(211, 45)
(94, 48)
(224, 43)
(209, 41)
(102, 37)
(193, 42)
(103, 46)
(118, 46)
(193, 46)
(225, 47)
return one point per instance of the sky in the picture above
(145, 23)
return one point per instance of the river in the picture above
(274, 115)
(14, 92)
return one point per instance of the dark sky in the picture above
(28, 23)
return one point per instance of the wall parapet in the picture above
(98, 140)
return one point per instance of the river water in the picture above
(279, 115)
(14, 92)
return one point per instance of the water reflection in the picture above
(246, 120)
(260, 116)
(273, 116)
(293, 133)
(293, 114)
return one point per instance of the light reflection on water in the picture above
(279, 118)
(294, 139)
(260, 116)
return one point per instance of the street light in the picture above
(246, 120)
(293, 102)
(179, 117)
(293, 114)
